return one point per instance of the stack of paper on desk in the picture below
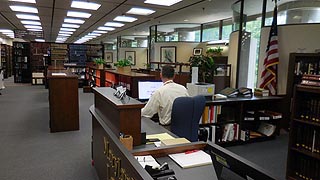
(191, 159)
(147, 160)
(167, 142)
(161, 136)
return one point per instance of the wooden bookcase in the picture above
(303, 160)
(21, 62)
(299, 64)
(94, 76)
(4, 60)
(233, 112)
(39, 53)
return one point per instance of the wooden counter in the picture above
(63, 100)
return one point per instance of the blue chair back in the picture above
(185, 116)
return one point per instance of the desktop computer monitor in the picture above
(146, 88)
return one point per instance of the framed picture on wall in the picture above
(109, 57)
(197, 51)
(168, 54)
(131, 55)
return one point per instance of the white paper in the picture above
(58, 74)
(147, 160)
(193, 159)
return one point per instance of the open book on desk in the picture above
(191, 158)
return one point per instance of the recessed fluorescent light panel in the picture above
(26, 9)
(31, 22)
(67, 35)
(85, 5)
(25, 1)
(162, 2)
(67, 29)
(125, 19)
(114, 24)
(140, 11)
(65, 32)
(70, 25)
(27, 16)
(40, 40)
(102, 32)
(78, 14)
(106, 28)
(6, 31)
(32, 27)
(74, 21)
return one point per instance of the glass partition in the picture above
(211, 31)
(178, 32)
(133, 41)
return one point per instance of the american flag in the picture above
(269, 74)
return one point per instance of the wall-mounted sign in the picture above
(28, 35)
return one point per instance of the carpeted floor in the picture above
(28, 151)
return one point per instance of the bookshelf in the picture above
(299, 64)
(94, 51)
(39, 53)
(77, 54)
(21, 62)
(79, 70)
(59, 54)
(94, 76)
(10, 68)
(4, 60)
(303, 161)
(228, 124)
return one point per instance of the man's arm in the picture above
(151, 108)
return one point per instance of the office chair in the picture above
(185, 116)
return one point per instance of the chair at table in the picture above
(185, 116)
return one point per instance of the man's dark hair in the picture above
(167, 71)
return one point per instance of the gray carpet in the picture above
(28, 151)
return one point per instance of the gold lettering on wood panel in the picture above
(115, 162)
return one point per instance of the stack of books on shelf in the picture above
(229, 92)
(210, 114)
(245, 92)
(311, 112)
(261, 92)
(230, 132)
(306, 168)
(308, 139)
(310, 80)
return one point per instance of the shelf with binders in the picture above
(21, 62)
(303, 161)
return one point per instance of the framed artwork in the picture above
(197, 51)
(109, 57)
(131, 55)
(168, 54)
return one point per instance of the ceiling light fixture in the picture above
(114, 24)
(60, 34)
(28, 16)
(85, 5)
(40, 40)
(102, 32)
(25, 1)
(6, 31)
(31, 22)
(32, 27)
(65, 32)
(106, 28)
(26, 9)
(67, 29)
(125, 19)
(162, 2)
(70, 25)
(140, 11)
(78, 14)
(74, 21)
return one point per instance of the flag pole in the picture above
(276, 93)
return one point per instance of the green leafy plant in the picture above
(99, 61)
(215, 51)
(207, 68)
(123, 63)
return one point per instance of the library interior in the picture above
(160, 89)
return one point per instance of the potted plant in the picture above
(99, 62)
(123, 65)
(216, 51)
(206, 67)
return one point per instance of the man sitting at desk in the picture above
(162, 99)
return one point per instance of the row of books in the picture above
(311, 110)
(210, 114)
(307, 168)
(232, 92)
(223, 133)
(310, 80)
(308, 138)
(262, 115)
(306, 68)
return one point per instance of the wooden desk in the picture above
(63, 101)
(113, 161)
(126, 79)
